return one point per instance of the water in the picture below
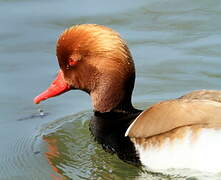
(176, 49)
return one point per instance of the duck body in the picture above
(190, 144)
(189, 139)
(178, 133)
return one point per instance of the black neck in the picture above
(109, 130)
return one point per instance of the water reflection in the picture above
(51, 154)
(73, 153)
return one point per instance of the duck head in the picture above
(95, 59)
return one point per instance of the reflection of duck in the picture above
(175, 133)
(51, 154)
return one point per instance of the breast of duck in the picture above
(178, 133)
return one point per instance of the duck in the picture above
(183, 132)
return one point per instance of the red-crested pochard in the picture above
(178, 133)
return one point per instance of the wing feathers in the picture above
(168, 115)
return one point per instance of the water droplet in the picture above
(41, 112)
